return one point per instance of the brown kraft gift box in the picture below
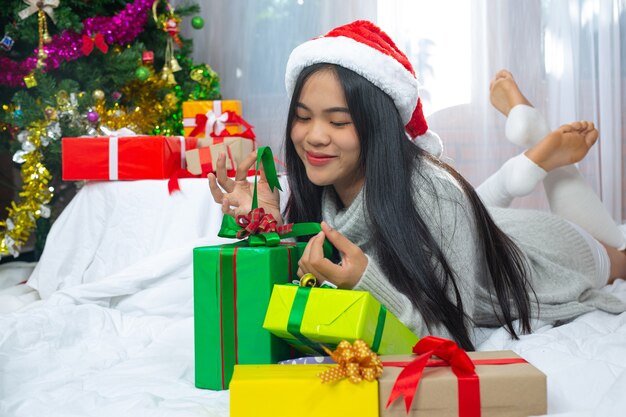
(511, 390)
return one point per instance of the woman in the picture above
(409, 229)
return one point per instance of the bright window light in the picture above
(438, 44)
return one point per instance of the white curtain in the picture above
(568, 56)
(248, 42)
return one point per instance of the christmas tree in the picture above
(86, 67)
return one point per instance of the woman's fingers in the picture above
(244, 166)
(216, 191)
(312, 256)
(339, 241)
(222, 178)
(218, 195)
(226, 209)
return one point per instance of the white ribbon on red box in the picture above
(114, 135)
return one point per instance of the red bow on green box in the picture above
(260, 228)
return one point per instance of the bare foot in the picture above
(504, 93)
(566, 145)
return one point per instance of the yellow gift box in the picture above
(308, 317)
(296, 390)
(205, 107)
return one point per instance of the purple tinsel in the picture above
(121, 29)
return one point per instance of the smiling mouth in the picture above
(318, 159)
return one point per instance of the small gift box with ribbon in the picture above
(232, 288)
(309, 317)
(444, 380)
(123, 158)
(236, 147)
(201, 161)
(203, 117)
(348, 388)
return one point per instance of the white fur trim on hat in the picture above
(380, 69)
(430, 142)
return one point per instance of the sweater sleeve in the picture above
(376, 283)
(449, 218)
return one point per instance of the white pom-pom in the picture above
(430, 142)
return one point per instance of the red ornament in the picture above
(147, 57)
(171, 27)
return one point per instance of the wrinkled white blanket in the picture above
(113, 335)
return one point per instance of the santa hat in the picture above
(365, 49)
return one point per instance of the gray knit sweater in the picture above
(560, 261)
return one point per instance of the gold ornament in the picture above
(51, 113)
(169, 22)
(63, 98)
(97, 95)
(174, 65)
(196, 74)
(170, 100)
(41, 7)
(30, 80)
(35, 194)
(308, 280)
(168, 76)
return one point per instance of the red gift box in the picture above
(124, 158)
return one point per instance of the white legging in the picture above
(569, 196)
(600, 257)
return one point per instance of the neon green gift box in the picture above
(308, 317)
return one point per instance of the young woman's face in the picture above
(325, 137)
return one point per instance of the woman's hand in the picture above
(347, 273)
(235, 196)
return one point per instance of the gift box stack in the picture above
(250, 312)
(211, 127)
(219, 127)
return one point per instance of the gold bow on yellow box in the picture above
(355, 361)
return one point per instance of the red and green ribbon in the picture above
(226, 277)
(270, 234)
(228, 303)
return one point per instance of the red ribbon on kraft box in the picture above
(451, 355)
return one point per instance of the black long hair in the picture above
(409, 255)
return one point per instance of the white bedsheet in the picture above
(113, 335)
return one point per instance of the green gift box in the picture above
(232, 287)
(309, 317)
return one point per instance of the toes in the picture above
(566, 128)
(586, 126)
(591, 137)
(578, 125)
(503, 74)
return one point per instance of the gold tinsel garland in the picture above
(143, 117)
(34, 196)
(147, 110)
